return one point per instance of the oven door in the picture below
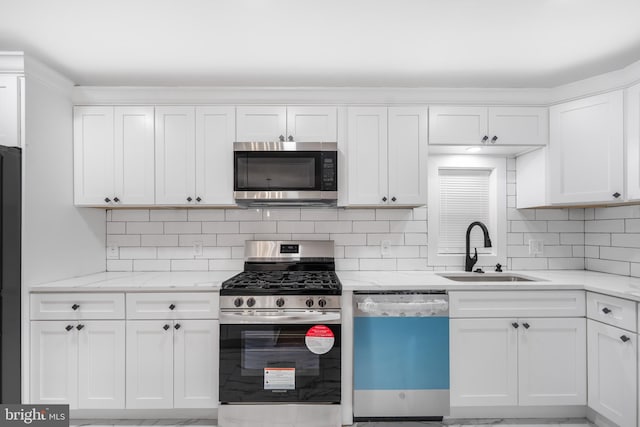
(280, 363)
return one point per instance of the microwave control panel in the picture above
(329, 161)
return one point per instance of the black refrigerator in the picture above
(10, 273)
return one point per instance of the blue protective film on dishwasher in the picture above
(401, 353)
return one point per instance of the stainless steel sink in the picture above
(487, 277)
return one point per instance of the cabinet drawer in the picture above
(517, 304)
(185, 305)
(71, 306)
(612, 311)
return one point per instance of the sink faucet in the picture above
(470, 261)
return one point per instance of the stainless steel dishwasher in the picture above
(401, 355)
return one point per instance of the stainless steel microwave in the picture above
(285, 173)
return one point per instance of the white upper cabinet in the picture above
(407, 156)
(632, 110)
(367, 156)
(113, 156)
(312, 124)
(386, 155)
(175, 155)
(134, 150)
(262, 123)
(490, 126)
(280, 123)
(9, 111)
(93, 148)
(458, 125)
(586, 150)
(215, 133)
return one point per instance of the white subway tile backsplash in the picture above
(515, 239)
(403, 252)
(528, 226)
(547, 238)
(130, 215)
(272, 236)
(229, 227)
(194, 239)
(620, 254)
(592, 251)
(243, 214)
(349, 239)
(635, 269)
(168, 215)
(618, 212)
(159, 240)
(572, 238)
(408, 226)
(608, 266)
(119, 265)
(182, 227)
(394, 214)
(116, 227)
(226, 264)
(629, 240)
(420, 214)
(151, 265)
(356, 214)
(233, 239)
(604, 226)
(576, 214)
(319, 214)
(521, 214)
(552, 214)
(296, 227)
(578, 251)
(377, 264)
(206, 215)
(281, 214)
(145, 227)
(175, 253)
(558, 251)
(576, 263)
(347, 264)
(632, 225)
(565, 226)
(597, 239)
(189, 265)
(415, 239)
(237, 252)
(138, 253)
(123, 240)
(220, 253)
(413, 264)
(529, 264)
(396, 239)
(307, 236)
(258, 227)
(362, 252)
(334, 226)
(371, 226)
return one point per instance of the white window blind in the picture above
(464, 198)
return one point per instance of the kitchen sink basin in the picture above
(487, 277)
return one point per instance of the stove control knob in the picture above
(238, 302)
(280, 302)
(309, 302)
(322, 302)
(251, 302)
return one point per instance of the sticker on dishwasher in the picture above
(279, 378)
(319, 339)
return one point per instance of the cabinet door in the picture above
(54, 363)
(552, 361)
(196, 363)
(266, 123)
(134, 156)
(101, 362)
(586, 150)
(215, 133)
(458, 125)
(367, 156)
(408, 156)
(149, 383)
(484, 362)
(312, 124)
(175, 155)
(518, 125)
(632, 111)
(93, 159)
(612, 372)
(9, 111)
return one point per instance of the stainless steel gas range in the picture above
(280, 337)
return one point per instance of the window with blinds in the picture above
(464, 198)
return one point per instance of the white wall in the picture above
(59, 240)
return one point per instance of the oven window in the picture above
(280, 171)
(277, 349)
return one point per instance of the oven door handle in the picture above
(234, 317)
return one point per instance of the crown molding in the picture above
(12, 62)
(96, 95)
(35, 69)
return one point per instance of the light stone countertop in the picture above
(610, 284)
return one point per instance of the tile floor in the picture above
(580, 422)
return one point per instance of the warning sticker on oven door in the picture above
(319, 339)
(279, 378)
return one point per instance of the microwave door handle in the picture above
(289, 318)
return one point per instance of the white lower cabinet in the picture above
(526, 362)
(612, 372)
(78, 363)
(172, 364)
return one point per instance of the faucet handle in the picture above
(475, 254)
(498, 268)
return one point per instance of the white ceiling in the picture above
(449, 43)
